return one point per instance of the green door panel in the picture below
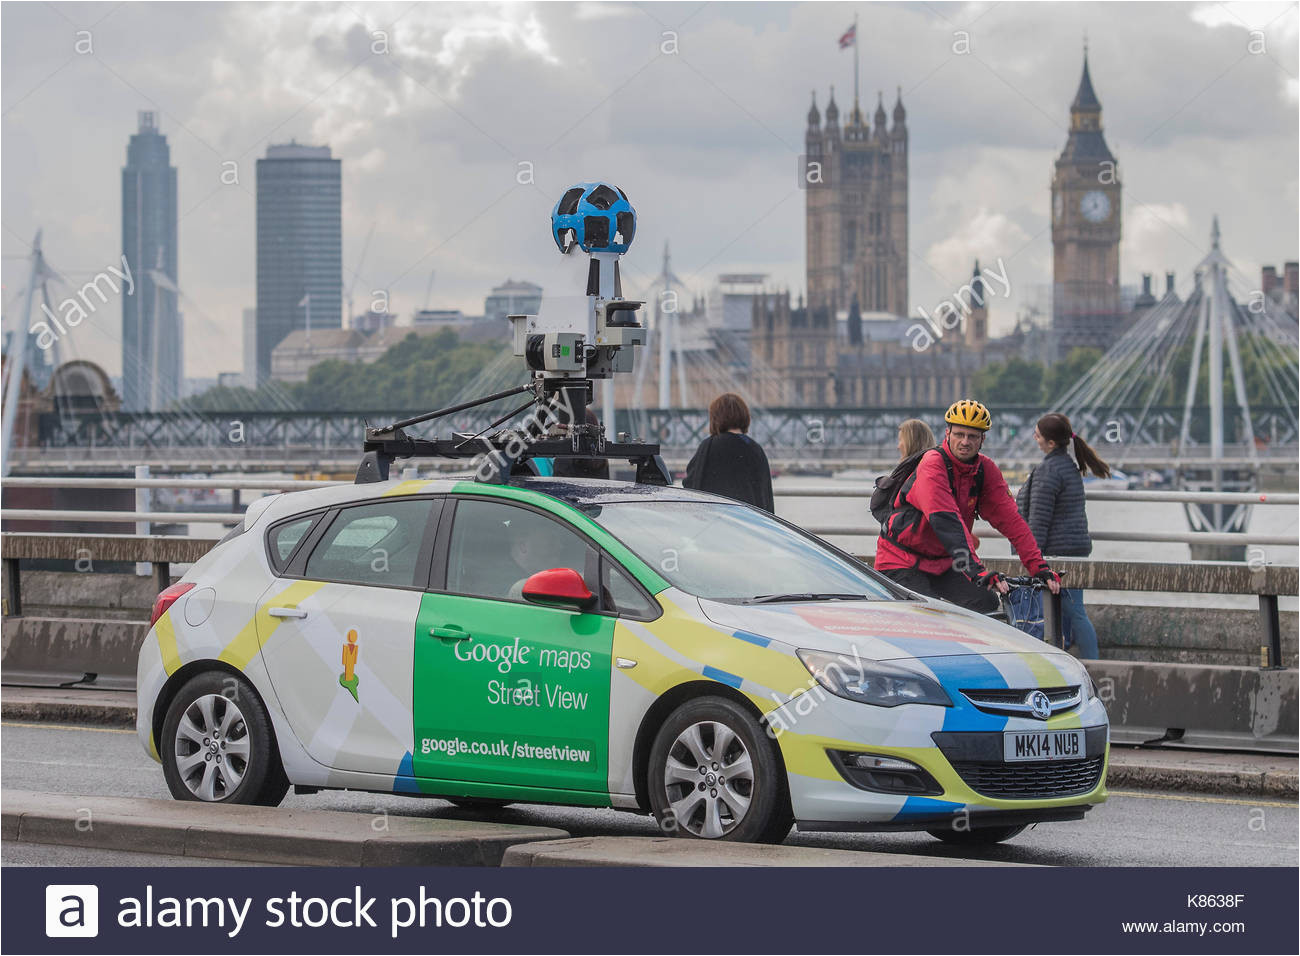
(512, 693)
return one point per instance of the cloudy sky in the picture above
(696, 109)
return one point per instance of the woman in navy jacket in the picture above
(1052, 503)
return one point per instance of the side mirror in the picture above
(562, 586)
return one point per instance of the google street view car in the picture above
(603, 644)
(517, 638)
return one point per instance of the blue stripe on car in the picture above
(722, 677)
(404, 782)
(926, 807)
(753, 638)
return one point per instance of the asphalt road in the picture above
(1131, 829)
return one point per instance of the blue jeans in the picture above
(1075, 624)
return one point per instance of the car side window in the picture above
(494, 548)
(622, 596)
(373, 544)
(283, 538)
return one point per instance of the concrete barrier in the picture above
(258, 834)
(1199, 705)
(666, 851)
(57, 651)
(1186, 635)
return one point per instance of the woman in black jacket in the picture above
(729, 462)
(1052, 502)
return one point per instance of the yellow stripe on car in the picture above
(166, 632)
(412, 487)
(246, 643)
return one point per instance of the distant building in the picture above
(294, 356)
(1086, 195)
(250, 349)
(152, 359)
(299, 245)
(426, 316)
(371, 321)
(292, 359)
(1282, 290)
(856, 210)
(513, 298)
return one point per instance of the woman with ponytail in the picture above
(1052, 503)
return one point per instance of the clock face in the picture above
(1095, 206)
(1058, 207)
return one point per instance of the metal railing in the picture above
(236, 485)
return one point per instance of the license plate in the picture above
(1043, 745)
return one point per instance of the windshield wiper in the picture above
(806, 596)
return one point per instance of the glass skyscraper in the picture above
(299, 245)
(152, 363)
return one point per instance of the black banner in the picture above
(760, 910)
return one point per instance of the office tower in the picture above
(152, 363)
(299, 245)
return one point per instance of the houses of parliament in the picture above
(849, 343)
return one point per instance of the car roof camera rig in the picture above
(562, 363)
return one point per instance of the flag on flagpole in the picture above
(850, 37)
(305, 299)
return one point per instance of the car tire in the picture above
(690, 793)
(200, 765)
(980, 836)
(479, 803)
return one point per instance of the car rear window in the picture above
(374, 544)
(284, 537)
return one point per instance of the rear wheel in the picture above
(715, 775)
(980, 836)
(218, 746)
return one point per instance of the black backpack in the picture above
(888, 486)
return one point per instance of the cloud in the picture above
(432, 132)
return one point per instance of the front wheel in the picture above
(715, 775)
(218, 746)
(981, 836)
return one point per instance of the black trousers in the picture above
(949, 586)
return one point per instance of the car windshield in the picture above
(734, 553)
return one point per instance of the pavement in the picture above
(1138, 768)
(259, 834)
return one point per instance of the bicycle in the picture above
(1047, 627)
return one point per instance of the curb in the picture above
(258, 834)
(667, 851)
(1252, 783)
(68, 712)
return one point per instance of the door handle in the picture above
(286, 612)
(450, 633)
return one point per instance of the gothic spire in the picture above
(814, 117)
(1086, 97)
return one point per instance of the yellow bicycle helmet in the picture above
(970, 414)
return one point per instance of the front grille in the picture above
(1037, 780)
(1011, 702)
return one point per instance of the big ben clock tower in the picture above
(1085, 231)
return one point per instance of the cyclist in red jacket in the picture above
(926, 543)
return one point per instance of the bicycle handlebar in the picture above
(1025, 581)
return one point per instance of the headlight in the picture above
(872, 682)
(1076, 673)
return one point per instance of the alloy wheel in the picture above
(212, 747)
(709, 779)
